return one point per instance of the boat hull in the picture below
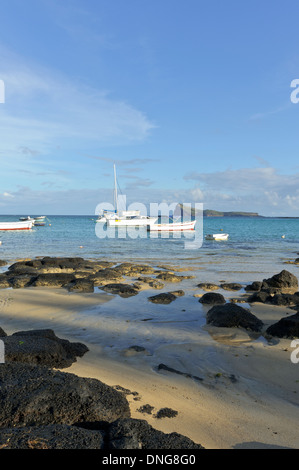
(22, 225)
(174, 227)
(133, 222)
(217, 236)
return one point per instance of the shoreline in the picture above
(248, 397)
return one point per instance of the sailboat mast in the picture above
(115, 189)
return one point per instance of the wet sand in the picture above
(248, 394)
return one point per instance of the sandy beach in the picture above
(239, 391)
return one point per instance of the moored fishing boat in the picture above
(172, 227)
(20, 225)
(130, 218)
(38, 221)
(22, 219)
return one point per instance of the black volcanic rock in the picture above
(59, 262)
(287, 327)
(283, 280)
(53, 279)
(255, 286)
(24, 280)
(260, 296)
(138, 434)
(123, 290)
(52, 436)
(208, 286)
(4, 282)
(130, 269)
(212, 298)
(286, 300)
(231, 315)
(124, 433)
(32, 395)
(169, 277)
(231, 286)
(163, 298)
(42, 347)
(105, 276)
(80, 285)
(2, 333)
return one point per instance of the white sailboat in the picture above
(104, 216)
(124, 218)
(107, 214)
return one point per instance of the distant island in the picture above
(213, 213)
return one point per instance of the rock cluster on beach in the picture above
(44, 408)
(80, 275)
(283, 282)
(279, 290)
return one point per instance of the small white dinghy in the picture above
(217, 236)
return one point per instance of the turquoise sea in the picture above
(255, 246)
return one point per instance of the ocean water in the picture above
(255, 247)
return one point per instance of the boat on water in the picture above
(130, 220)
(123, 218)
(172, 227)
(26, 218)
(39, 221)
(217, 236)
(20, 225)
(102, 218)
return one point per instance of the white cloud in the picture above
(266, 114)
(43, 108)
(261, 189)
(197, 194)
(51, 200)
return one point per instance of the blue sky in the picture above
(190, 98)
